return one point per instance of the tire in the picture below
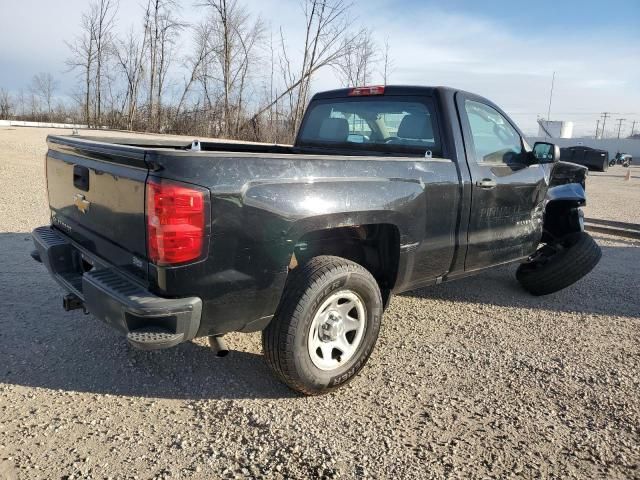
(565, 263)
(310, 315)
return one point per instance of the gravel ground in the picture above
(470, 379)
(611, 197)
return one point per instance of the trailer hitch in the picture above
(73, 302)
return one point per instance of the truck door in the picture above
(505, 221)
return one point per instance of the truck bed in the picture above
(222, 147)
(263, 200)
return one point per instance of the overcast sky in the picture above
(504, 50)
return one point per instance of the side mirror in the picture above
(544, 152)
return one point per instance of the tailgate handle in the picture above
(81, 177)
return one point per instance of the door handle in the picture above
(486, 183)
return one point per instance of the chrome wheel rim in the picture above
(337, 330)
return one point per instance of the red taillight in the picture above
(363, 91)
(176, 217)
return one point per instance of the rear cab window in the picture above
(391, 124)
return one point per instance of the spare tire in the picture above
(559, 265)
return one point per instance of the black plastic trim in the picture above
(111, 296)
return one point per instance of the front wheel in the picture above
(558, 265)
(326, 325)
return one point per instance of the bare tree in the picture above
(248, 38)
(161, 29)
(196, 62)
(21, 103)
(387, 62)
(105, 12)
(125, 81)
(43, 85)
(6, 104)
(326, 35)
(83, 57)
(90, 52)
(233, 40)
(34, 106)
(129, 56)
(355, 66)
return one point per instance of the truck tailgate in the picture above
(97, 197)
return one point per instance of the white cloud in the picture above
(595, 70)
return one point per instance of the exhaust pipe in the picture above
(219, 346)
(36, 256)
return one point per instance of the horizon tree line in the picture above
(237, 77)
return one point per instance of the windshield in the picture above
(372, 123)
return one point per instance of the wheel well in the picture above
(561, 217)
(374, 246)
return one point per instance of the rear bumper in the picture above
(150, 322)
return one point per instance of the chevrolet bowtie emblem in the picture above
(81, 202)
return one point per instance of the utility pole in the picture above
(597, 127)
(620, 120)
(604, 116)
(545, 124)
(553, 79)
(633, 128)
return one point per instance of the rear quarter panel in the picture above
(262, 205)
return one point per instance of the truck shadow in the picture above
(610, 289)
(41, 345)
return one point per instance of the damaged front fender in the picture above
(565, 173)
(571, 192)
(565, 196)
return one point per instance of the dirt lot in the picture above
(470, 379)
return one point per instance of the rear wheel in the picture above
(326, 325)
(556, 266)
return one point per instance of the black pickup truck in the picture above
(386, 189)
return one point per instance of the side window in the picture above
(494, 139)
